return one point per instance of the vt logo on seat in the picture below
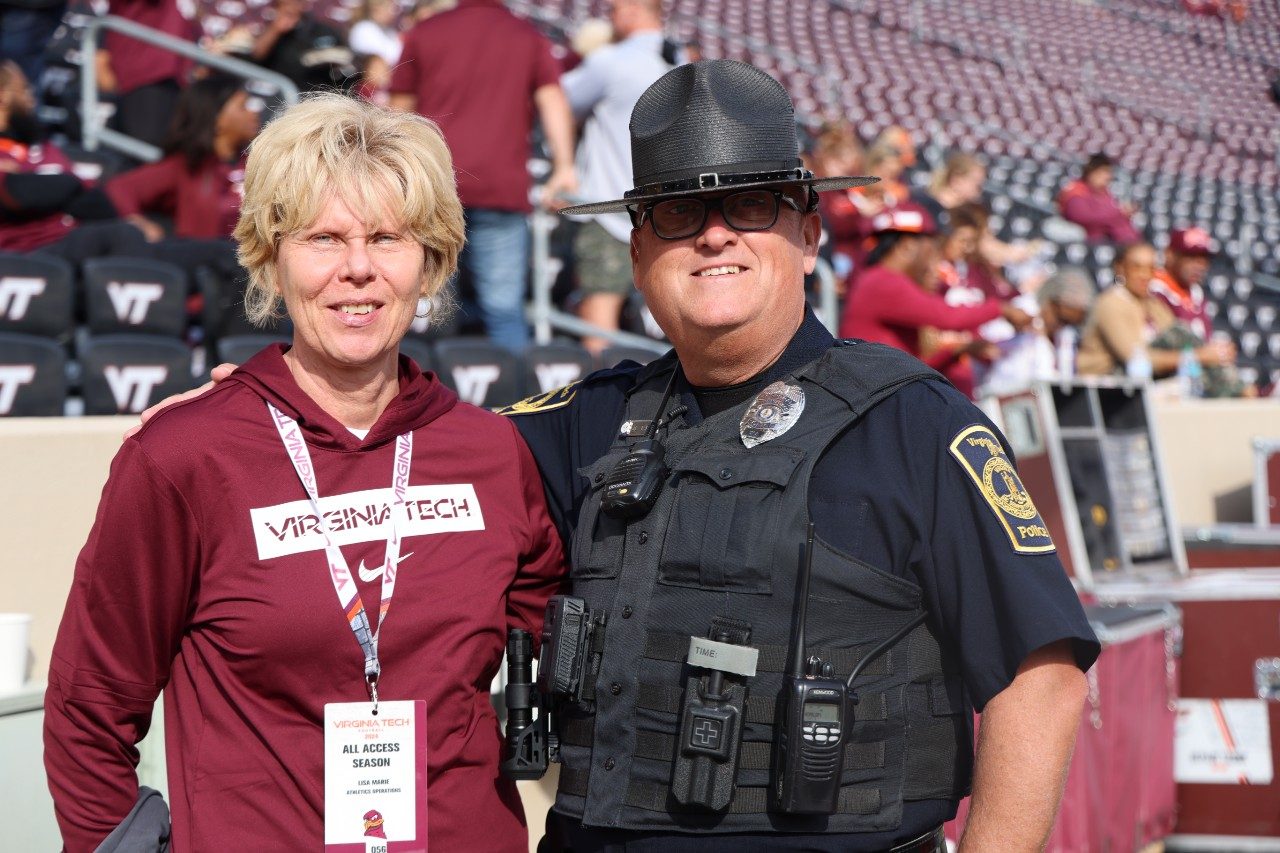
(132, 299)
(16, 293)
(131, 385)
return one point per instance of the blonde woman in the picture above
(326, 537)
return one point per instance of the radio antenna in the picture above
(802, 609)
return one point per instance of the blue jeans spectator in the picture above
(496, 257)
(25, 32)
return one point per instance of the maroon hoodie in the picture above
(200, 577)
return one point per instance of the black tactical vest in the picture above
(724, 541)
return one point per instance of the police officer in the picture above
(765, 422)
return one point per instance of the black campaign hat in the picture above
(709, 126)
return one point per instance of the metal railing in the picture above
(95, 135)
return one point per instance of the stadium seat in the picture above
(127, 373)
(553, 365)
(611, 356)
(222, 307)
(33, 376)
(36, 295)
(482, 373)
(238, 349)
(419, 351)
(135, 296)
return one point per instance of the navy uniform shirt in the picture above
(900, 491)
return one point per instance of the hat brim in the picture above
(843, 182)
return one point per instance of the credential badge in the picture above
(774, 411)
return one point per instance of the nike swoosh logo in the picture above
(370, 575)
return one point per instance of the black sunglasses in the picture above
(748, 210)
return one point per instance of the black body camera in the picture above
(572, 642)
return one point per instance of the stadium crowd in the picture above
(914, 259)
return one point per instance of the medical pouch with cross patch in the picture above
(712, 716)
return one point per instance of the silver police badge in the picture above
(774, 411)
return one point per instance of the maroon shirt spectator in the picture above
(1180, 282)
(1088, 203)
(146, 79)
(896, 299)
(42, 159)
(203, 203)
(889, 307)
(134, 63)
(482, 97)
(201, 181)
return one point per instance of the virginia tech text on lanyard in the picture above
(343, 584)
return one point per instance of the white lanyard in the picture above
(343, 583)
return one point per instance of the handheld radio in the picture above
(811, 734)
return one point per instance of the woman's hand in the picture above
(1017, 318)
(151, 231)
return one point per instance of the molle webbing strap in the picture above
(674, 648)
(854, 799)
(760, 709)
(758, 756)
(650, 796)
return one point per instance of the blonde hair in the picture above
(377, 162)
(957, 165)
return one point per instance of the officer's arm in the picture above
(1024, 748)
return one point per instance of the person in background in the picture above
(374, 33)
(1048, 347)
(1127, 318)
(896, 298)
(891, 154)
(588, 37)
(482, 74)
(197, 579)
(958, 180)
(1088, 203)
(146, 80)
(44, 205)
(423, 9)
(374, 78)
(26, 28)
(962, 356)
(602, 92)
(308, 51)
(1180, 282)
(838, 151)
(199, 183)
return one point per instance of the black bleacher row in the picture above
(130, 351)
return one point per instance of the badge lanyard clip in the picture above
(339, 572)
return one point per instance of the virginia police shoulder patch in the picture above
(982, 457)
(541, 402)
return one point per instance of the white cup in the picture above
(14, 630)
